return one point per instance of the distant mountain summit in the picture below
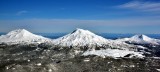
(22, 35)
(141, 39)
(80, 37)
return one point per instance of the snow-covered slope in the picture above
(21, 35)
(80, 37)
(141, 39)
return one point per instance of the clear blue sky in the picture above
(100, 16)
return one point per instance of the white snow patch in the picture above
(158, 70)
(77, 51)
(156, 57)
(142, 47)
(28, 60)
(86, 60)
(115, 53)
(39, 64)
(50, 70)
(7, 67)
(132, 66)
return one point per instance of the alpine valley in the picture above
(78, 51)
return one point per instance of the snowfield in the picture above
(115, 53)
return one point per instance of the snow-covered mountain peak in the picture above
(22, 35)
(82, 31)
(141, 37)
(80, 37)
(21, 32)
